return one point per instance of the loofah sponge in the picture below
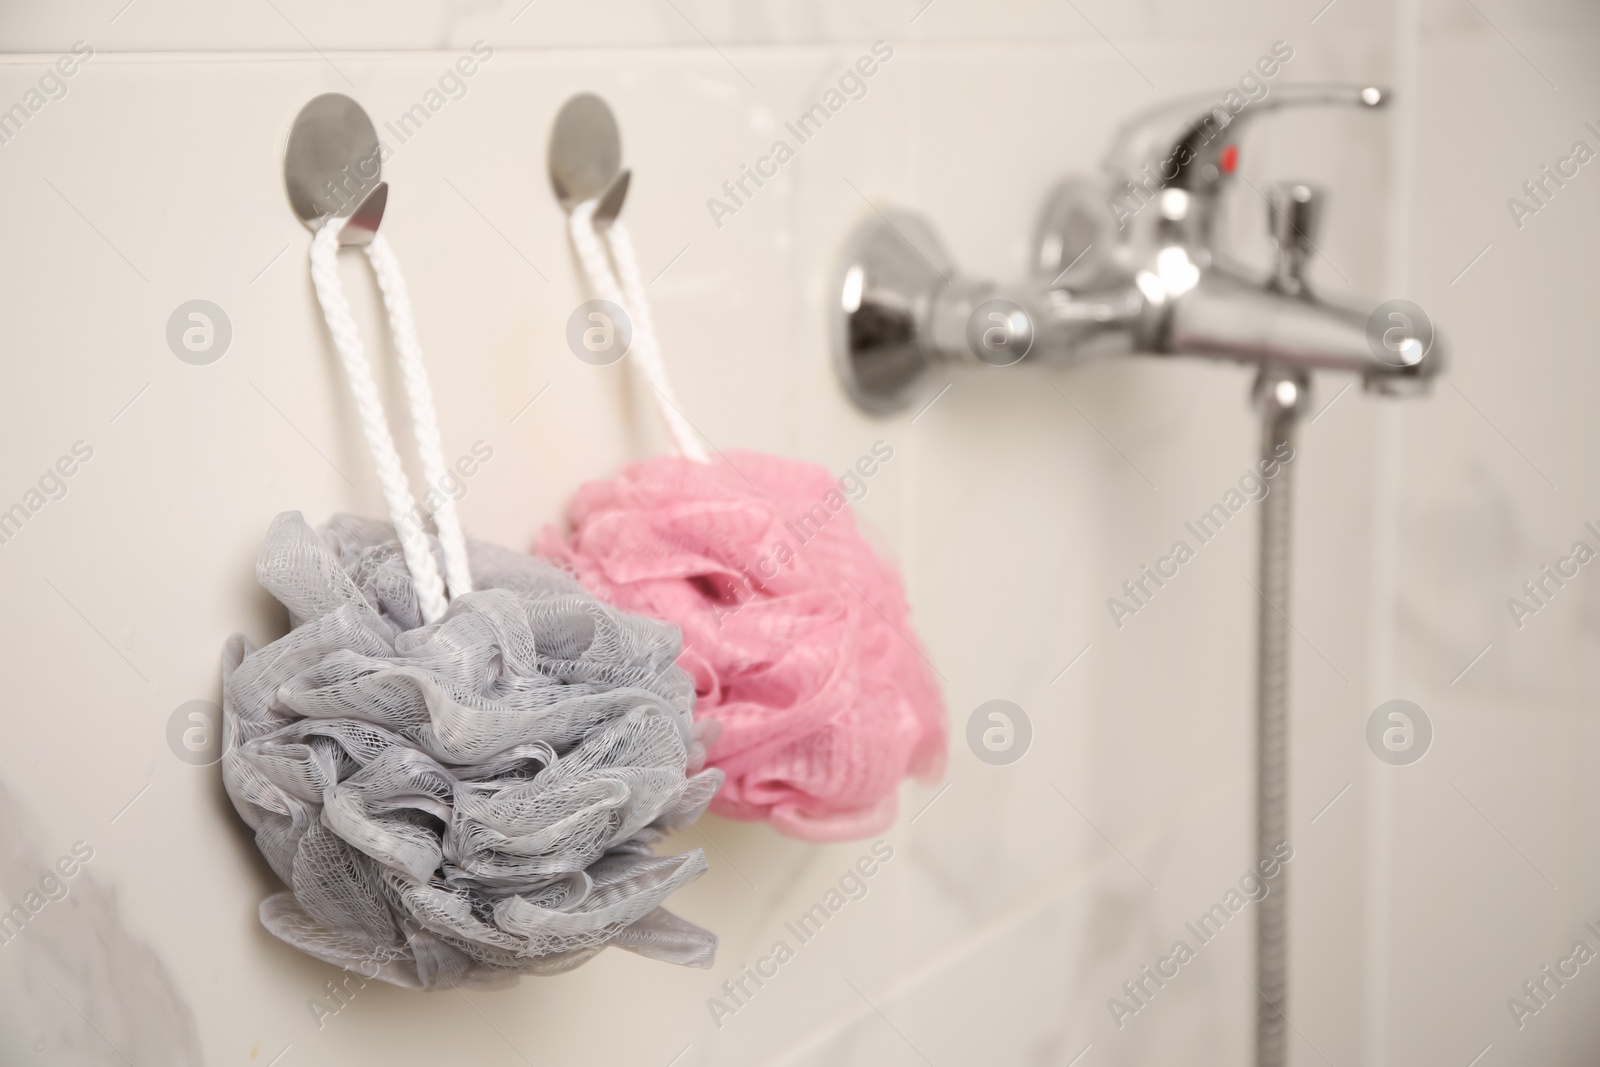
(466, 800)
(796, 633)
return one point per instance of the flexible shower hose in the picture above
(1281, 397)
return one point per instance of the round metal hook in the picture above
(333, 167)
(585, 156)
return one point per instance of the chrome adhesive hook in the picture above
(333, 168)
(585, 157)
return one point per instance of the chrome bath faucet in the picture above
(1124, 263)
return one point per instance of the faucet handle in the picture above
(1193, 145)
(1293, 210)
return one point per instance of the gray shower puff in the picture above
(469, 800)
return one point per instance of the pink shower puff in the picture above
(797, 635)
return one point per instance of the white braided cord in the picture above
(374, 426)
(424, 419)
(628, 294)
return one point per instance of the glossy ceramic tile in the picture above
(1019, 898)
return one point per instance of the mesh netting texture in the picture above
(797, 634)
(468, 800)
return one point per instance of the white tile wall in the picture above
(1024, 896)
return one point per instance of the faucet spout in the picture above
(1228, 317)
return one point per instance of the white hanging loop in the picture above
(424, 420)
(629, 295)
(374, 425)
